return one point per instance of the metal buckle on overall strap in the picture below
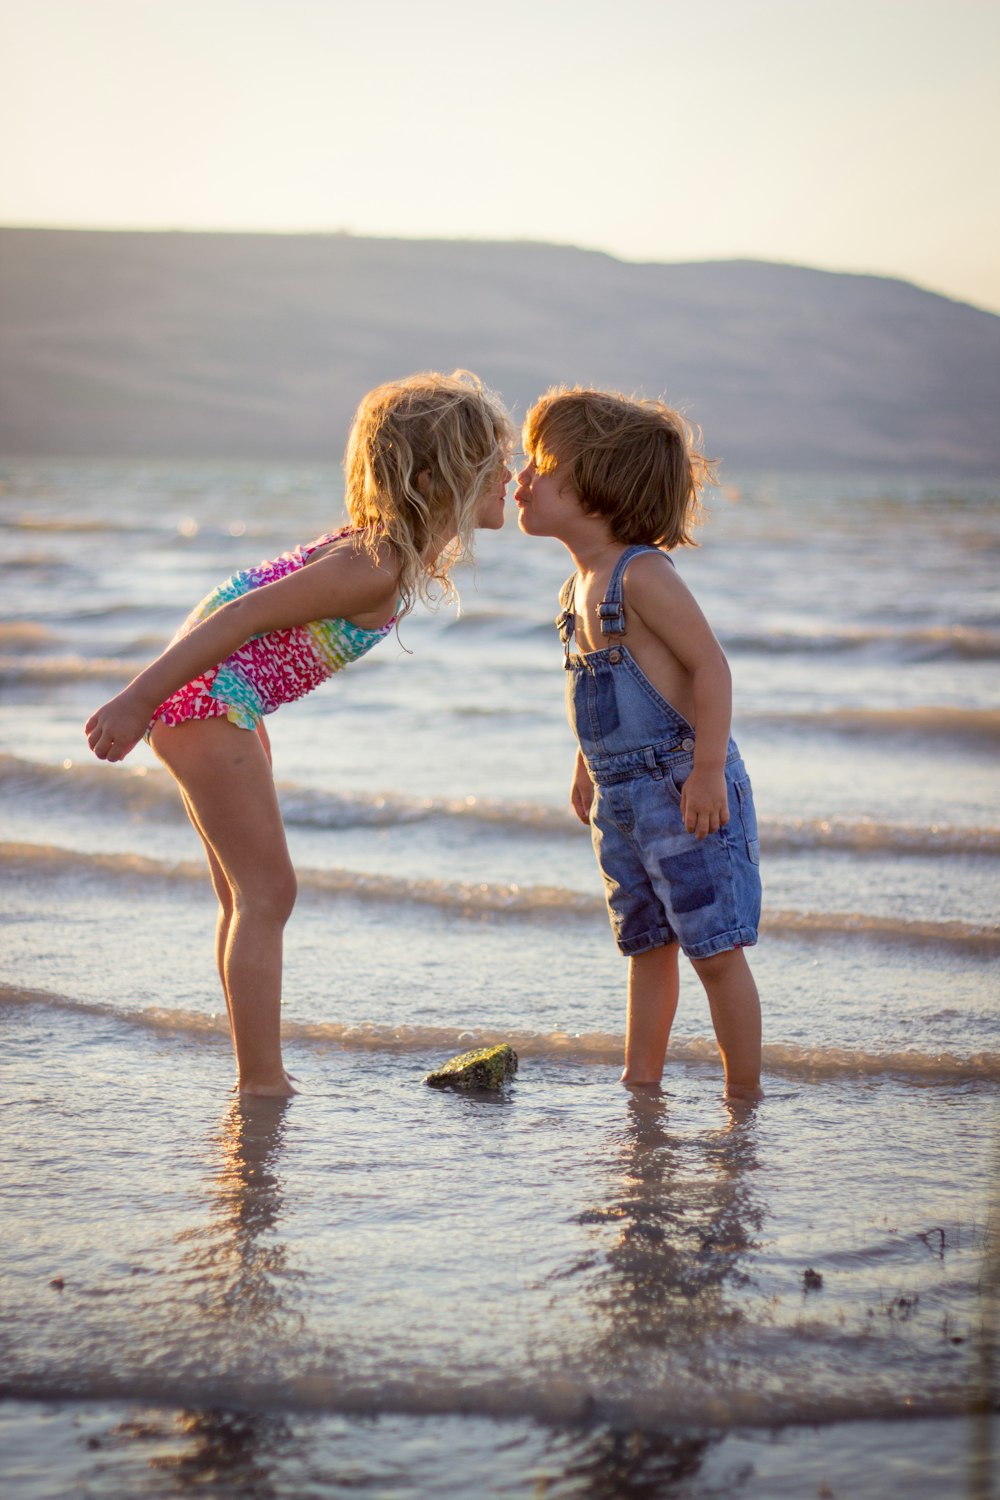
(612, 614)
(564, 625)
(612, 617)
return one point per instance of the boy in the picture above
(657, 776)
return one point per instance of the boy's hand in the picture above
(705, 802)
(581, 793)
(117, 727)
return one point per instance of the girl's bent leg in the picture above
(652, 1004)
(224, 894)
(735, 1005)
(226, 779)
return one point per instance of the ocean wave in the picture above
(19, 563)
(914, 932)
(18, 671)
(569, 1398)
(89, 786)
(137, 787)
(928, 723)
(536, 903)
(869, 836)
(935, 643)
(76, 525)
(304, 807)
(23, 665)
(476, 620)
(599, 1048)
(24, 635)
(499, 899)
(461, 897)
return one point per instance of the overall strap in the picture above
(611, 608)
(566, 619)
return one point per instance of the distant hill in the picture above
(259, 346)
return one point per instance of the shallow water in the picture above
(575, 1289)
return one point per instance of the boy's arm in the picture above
(581, 793)
(668, 608)
(341, 584)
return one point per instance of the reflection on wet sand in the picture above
(217, 1453)
(684, 1216)
(239, 1266)
(240, 1274)
(677, 1220)
(984, 1387)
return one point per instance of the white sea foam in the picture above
(784, 1059)
(475, 898)
(309, 807)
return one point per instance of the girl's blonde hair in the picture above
(633, 461)
(419, 458)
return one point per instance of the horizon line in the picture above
(345, 233)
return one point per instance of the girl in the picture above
(426, 463)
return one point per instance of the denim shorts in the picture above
(663, 885)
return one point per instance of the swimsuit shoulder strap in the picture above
(326, 539)
(612, 609)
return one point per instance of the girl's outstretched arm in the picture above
(345, 584)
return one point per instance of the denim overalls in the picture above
(663, 885)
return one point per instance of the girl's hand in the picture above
(118, 726)
(705, 802)
(581, 793)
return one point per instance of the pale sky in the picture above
(860, 135)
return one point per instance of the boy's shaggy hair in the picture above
(633, 461)
(452, 430)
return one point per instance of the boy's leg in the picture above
(226, 779)
(735, 1005)
(652, 1003)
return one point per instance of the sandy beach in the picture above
(572, 1289)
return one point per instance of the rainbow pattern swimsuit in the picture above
(269, 669)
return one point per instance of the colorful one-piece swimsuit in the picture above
(268, 669)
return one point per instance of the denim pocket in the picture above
(678, 774)
(673, 786)
(748, 817)
(613, 806)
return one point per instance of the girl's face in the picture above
(489, 516)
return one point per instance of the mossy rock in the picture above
(489, 1068)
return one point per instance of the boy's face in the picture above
(547, 505)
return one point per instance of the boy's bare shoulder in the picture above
(650, 573)
(657, 595)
